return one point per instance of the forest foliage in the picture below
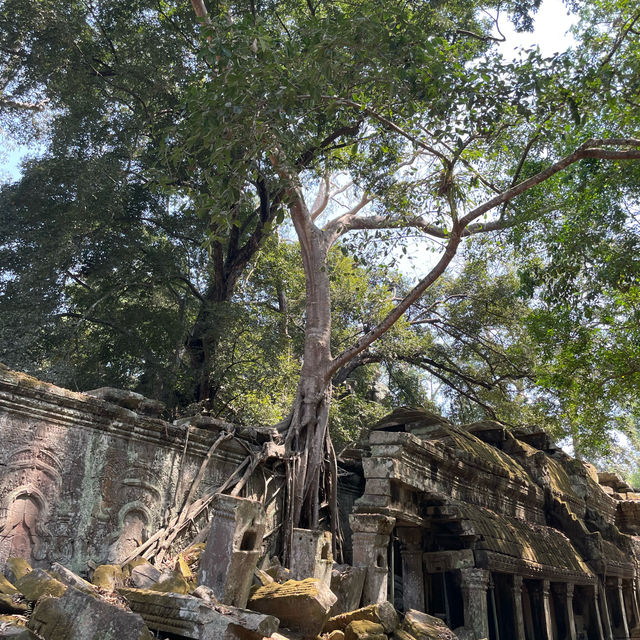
(148, 243)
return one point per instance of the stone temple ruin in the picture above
(499, 535)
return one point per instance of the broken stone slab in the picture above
(422, 626)
(17, 568)
(6, 587)
(347, 583)
(311, 555)
(364, 630)
(70, 579)
(129, 400)
(10, 631)
(144, 576)
(299, 605)
(38, 583)
(233, 547)
(80, 616)
(382, 613)
(172, 583)
(108, 576)
(197, 618)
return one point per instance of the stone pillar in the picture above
(546, 607)
(311, 555)
(412, 572)
(623, 609)
(474, 583)
(636, 608)
(606, 618)
(234, 545)
(518, 616)
(370, 535)
(543, 606)
(565, 596)
(596, 608)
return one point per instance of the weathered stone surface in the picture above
(192, 617)
(382, 613)
(79, 616)
(347, 583)
(311, 555)
(11, 631)
(364, 630)
(70, 579)
(335, 635)
(299, 605)
(38, 583)
(108, 576)
(12, 603)
(422, 626)
(6, 586)
(233, 548)
(145, 575)
(85, 480)
(173, 583)
(17, 568)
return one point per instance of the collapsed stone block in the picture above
(311, 555)
(364, 630)
(299, 605)
(191, 617)
(80, 616)
(17, 568)
(172, 583)
(233, 548)
(347, 583)
(382, 613)
(108, 576)
(145, 575)
(38, 583)
(6, 587)
(422, 626)
(70, 579)
(10, 631)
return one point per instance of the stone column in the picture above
(412, 572)
(634, 595)
(606, 618)
(474, 583)
(565, 595)
(596, 608)
(543, 606)
(311, 555)
(518, 616)
(623, 609)
(370, 535)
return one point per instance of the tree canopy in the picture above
(224, 188)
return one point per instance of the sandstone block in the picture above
(108, 576)
(347, 583)
(299, 605)
(15, 632)
(17, 568)
(311, 555)
(70, 579)
(38, 583)
(145, 575)
(173, 583)
(382, 613)
(233, 547)
(6, 587)
(364, 630)
(80, 616)
(422, 626)
(190, 617)
(335, 635)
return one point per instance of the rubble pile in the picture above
(138, 601)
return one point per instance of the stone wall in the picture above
(85, 479)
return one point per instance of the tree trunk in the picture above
(311, 466)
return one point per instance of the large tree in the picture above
(437, 134)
